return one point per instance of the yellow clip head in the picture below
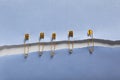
(70, 34)
(53, 36)
(90, 32)
(26, 36)
(42, 35)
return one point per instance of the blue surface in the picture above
(103, 64)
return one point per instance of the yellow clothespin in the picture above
(53, 44)
(90, 34)
(26, 47)
(41, 44)
(70, 35)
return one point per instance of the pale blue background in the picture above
(18, 17)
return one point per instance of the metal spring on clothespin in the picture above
(41, 44)
(53, 45)
(90, 34)
(26, 46)
(70, 35)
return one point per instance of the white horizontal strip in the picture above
(33, 47)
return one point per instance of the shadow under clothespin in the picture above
(70, 48)
(53, 45)
(91, 40)
(26, 46)
(40, 50)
